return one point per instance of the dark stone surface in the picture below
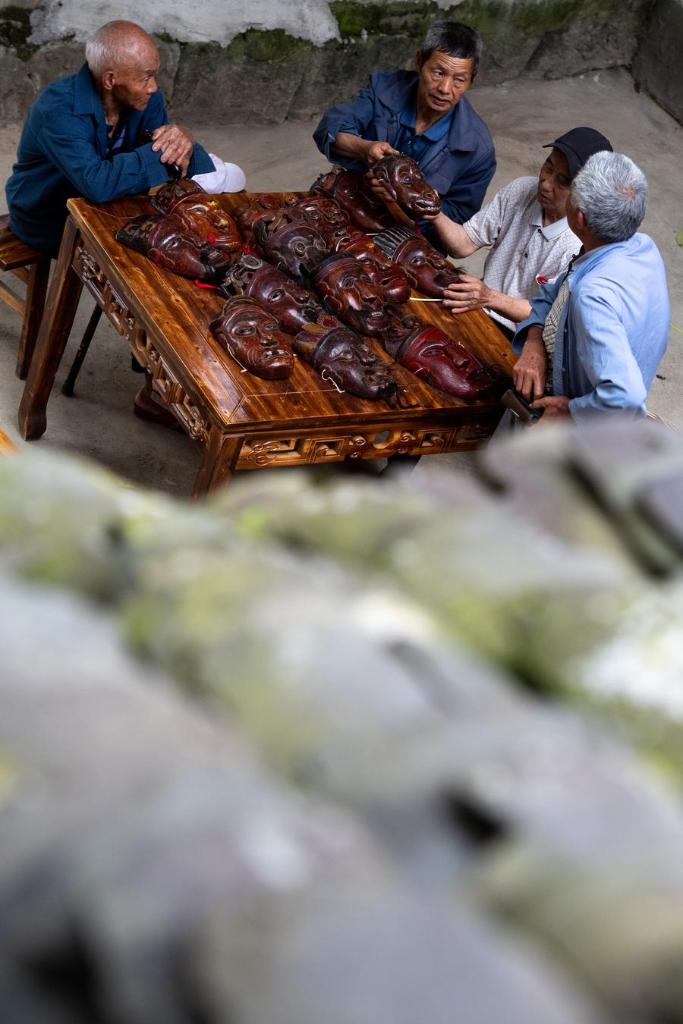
(657, 64)
(265, 76)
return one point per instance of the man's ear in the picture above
(108, 80)
(580, 219)
(418, 61)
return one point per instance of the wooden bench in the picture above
(33, 268)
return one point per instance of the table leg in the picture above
(35, 307)
(60, 310)
(218, 464)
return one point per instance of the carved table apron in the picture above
(241, 421)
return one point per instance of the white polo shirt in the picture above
(524, 253)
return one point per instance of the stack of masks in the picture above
(302, 275)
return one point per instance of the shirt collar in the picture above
(435, 131)
(86, 97)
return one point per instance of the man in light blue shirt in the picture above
(602, 327)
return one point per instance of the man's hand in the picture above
(378, 150)
(554, 407)
(530, 369)
(175, 145)
(468, 293)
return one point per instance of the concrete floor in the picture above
(521, 117)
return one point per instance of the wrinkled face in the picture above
(252, 337)
(134, 80)
(554, 185)
(404, 179)
(446, 364)
(290, 304)
(443, 81)
(296, 248)
(353, 294)
(353, 366)
(426, 268)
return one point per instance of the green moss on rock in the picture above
(355, 18)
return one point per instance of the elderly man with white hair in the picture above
(102, 133)
(602, 327)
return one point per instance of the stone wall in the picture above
(362, 751)
(268, 60)
(657, 64)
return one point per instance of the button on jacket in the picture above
(459, 165)
(64, 152)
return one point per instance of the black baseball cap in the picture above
(577, 145)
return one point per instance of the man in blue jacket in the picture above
(602, 327)
(82, 137)
(424, 114)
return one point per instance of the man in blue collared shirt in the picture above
(425, 114)
(603, 325)
(82, 135)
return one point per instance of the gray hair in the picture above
(611, 192)
(114, 45)
(455, 39)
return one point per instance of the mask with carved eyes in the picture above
(200, 213)
(402, 179)
(253, 338)
(294, 247)
(351, 293)
(292, 305)
(352, 193)
(167, 242)
(343, 359)
(427, 270)
(321, 212)
(393, 283)
(441, 361)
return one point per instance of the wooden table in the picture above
(241, 421)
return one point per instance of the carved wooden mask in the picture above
(253, 338)
(352, 293)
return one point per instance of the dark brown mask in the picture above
(352, 193)
(294, 247)
(322, 212)
(343, 359)
(401, 177)
(167, 242)
(252, 337)
(426, 269)
(439, 360)
(292, 305)
(393, 282)
(351, 293)
(200, 213)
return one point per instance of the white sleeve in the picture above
(485, 226)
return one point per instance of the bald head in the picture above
(119, 45)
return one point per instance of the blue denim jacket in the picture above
(64, 152)
(459, 166)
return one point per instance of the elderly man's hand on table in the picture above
(175, 144)
(470, 292)
(554, 407)
(530, 370)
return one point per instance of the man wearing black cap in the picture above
(526, 227)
